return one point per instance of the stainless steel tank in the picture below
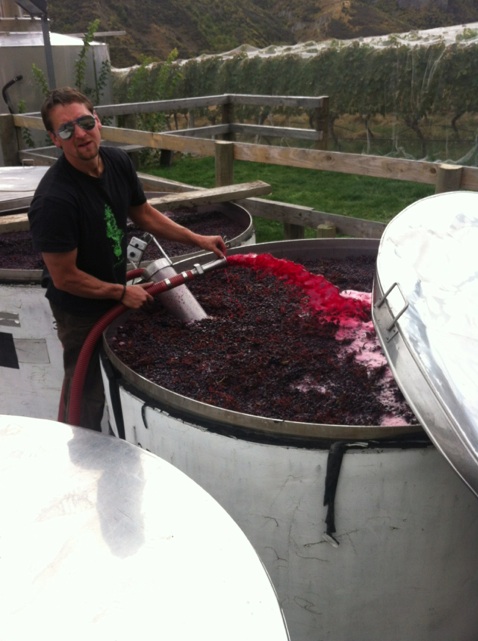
(21, 49)
(17, 186)
(228, 219)
(31, 364)
(402, 518)
(30, 353)
(426, 314)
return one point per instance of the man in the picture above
(78, 220)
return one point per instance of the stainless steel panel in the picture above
(17, 187)
(19, 181)
(426, 315)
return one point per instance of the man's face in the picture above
(83, 146)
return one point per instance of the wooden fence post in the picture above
(448, 178)
(130, 121)
(293, 232)
(224, 163)
(227, 118)
(326, 230)
(321, 121)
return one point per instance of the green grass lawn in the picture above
(335, 193)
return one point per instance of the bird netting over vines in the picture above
(414, 95)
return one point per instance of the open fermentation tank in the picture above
(229, 219)
(365, 530)
(18, 263)
(30, 353)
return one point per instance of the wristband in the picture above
(122, 294)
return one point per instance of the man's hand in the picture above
(214, 244)
(135, 296)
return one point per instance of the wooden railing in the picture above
(227, 150)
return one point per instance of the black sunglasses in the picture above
(66, 131)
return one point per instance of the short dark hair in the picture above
(64, 96)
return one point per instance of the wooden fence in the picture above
(219, 141)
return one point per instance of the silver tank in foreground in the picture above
(103, 541)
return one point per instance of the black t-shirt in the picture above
(71, 210)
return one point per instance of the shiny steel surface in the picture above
(34, 388)
(17, 186)
(178, 300)
(102, 540)
(229, 210)
(426, 314)
(405, 566)
(20, 179)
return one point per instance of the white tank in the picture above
(392, 554)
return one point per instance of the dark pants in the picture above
(72, 331)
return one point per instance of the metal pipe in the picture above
(48, 51)
(179, 302)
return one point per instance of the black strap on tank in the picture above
(334, 463)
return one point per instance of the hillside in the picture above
(193, 27)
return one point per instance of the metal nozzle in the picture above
(214, 264)
(179, 300)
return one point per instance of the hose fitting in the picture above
(214, 264)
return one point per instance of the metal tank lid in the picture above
(104, 540)
(17, 186)
(425, 311)
(19, 179)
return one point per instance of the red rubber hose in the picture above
(134, 273)
(76, 391)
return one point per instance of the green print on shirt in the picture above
(114, 233)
